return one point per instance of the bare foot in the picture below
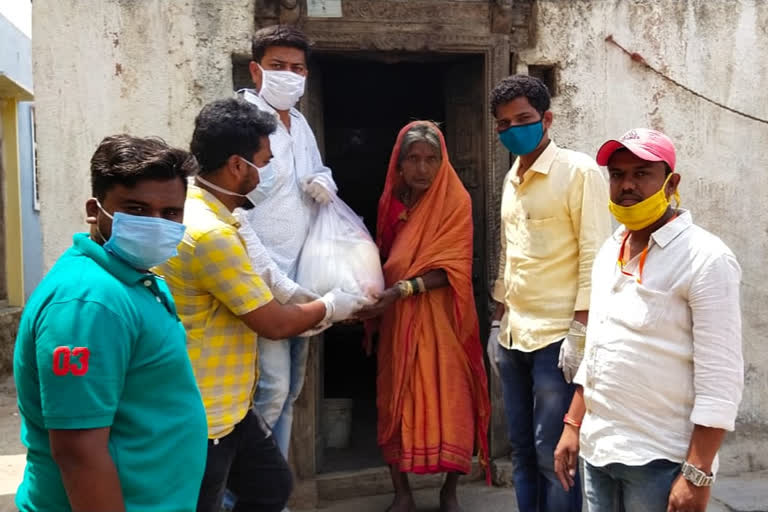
(449, 502)
(402, 503)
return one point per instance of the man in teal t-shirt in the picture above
(111, 414)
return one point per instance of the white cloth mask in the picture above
(281, 89)
(258, 193)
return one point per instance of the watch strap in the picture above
(696, 476)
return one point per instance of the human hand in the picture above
(686, 497)
(383, 302)
(567, 456)
(316, 190)
(572, 351)
(340, 305)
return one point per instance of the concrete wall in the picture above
(720, 50)
(140, 67)
(15, 53)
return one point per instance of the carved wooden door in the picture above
(465, 137)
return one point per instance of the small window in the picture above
(35, 167)
(547, 73)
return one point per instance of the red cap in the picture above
(649, 145)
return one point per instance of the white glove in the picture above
(572, 350)
(493, 348)
(340, 305)
(302, 296)
(316, 189)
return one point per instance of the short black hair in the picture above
(278, 35)
(126, 160)
(521, 85)
(229, 127)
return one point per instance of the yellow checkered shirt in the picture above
(212, 282)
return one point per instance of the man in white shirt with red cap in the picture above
(662, 375)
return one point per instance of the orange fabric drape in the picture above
(432, 391)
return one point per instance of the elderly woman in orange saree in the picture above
(432, 395)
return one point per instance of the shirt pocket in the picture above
(639, 307)
(539, 238)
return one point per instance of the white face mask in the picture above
(255, 196)
(281, 89)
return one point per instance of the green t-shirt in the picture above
(100, 345)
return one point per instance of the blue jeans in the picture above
(282, 367)
(536, 397)
(616, 487)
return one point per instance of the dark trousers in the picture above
(536, 397)
(248, 462)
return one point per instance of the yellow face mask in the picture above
(646, 212)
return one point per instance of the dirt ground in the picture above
(738, 493)
(12, 452)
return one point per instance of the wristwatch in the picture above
(696, 476)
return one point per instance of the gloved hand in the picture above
(572, 350)
(302, 296)
(340, 305)
(315, 187)
(493, 347)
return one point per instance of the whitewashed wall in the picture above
(144, 68)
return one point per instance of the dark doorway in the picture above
(365, 105)
(365, 101)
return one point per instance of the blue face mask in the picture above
(522, 139)
(142, 242)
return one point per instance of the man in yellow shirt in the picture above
(223, 304)
(554, 218)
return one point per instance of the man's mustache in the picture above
(630, 196)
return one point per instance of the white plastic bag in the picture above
(340, 253)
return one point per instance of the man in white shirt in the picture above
(662, 375)
(281, 216)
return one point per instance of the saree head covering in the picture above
(432, 392)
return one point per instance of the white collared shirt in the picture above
(282, 220)
(663, 354)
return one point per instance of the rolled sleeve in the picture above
(225, 271)
(82, 352)
(588, 204)
(717, 350)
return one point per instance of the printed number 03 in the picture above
(63, 362)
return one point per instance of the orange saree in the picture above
(432, 392)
